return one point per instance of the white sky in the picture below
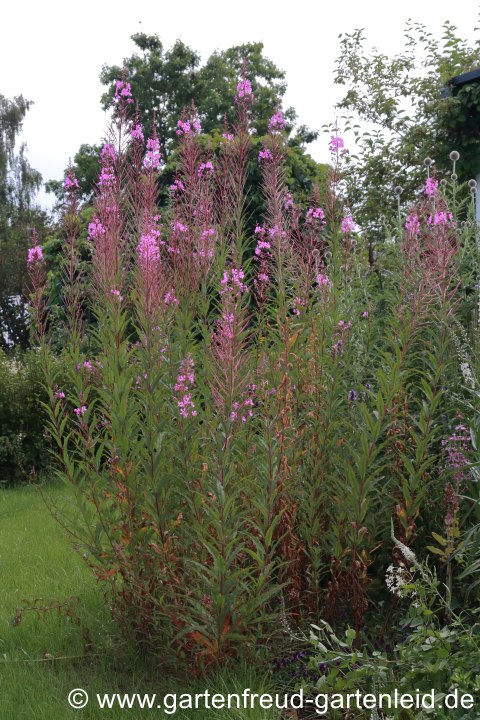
(51, 51)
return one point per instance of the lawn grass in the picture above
(42, 655)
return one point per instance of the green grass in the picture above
(42, 654)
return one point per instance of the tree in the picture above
(165, 82)
(18, 185)
(399, 98)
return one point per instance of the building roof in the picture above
(464, 78)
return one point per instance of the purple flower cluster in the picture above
(440, 218)
(108, 154)
(123, 91)
(71, 182)
(183, 387)
(205, 168)
(288, 203)
(412, 224)
(177, 187)
(348, 225)
(297, 304)
(148, 249)
(136, 132)
(170, 298)
(431, 187)
(244, 90)
(95, 229)
(324, 281)
(456, 446)
(315, 214)
(265, 155)
(337, 145)
(188, 127)
(243, 410)
(341, 332)
(232, 282)
(277, 122)
(151, 161)
(35, 255)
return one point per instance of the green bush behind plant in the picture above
(23, 452)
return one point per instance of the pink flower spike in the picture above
(431, 187)
(315, 214)
(277, 122)
(136, 132)
(324, 281)
(265, 155)
(151, 161)
(71, 182)
(336, 144)
(35, 255)
(123, 92)
(348, 225)
(80, 411)
(244, 90)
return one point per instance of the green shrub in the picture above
(22, 419)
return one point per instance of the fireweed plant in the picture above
(247, 414)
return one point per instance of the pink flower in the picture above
(136, 132)
(177, 186)
(152, 157)
(206, 167)
(227, 137)
(277, 122)
(348, 225)
(123, 91)
(80, 411)
(95, 229)
(107, 176)
(265, 155)
(108, 153)
(297, 304)
(179, 227)
(35, 255)
(431, 187)
(148, 250)
(365, 314)
(244, 90)
(441, 218)
(170, 298)
(232, 282)
(315, 214)
(71, 182)
(336, 143)
(183, 386)
(262, 245)
(288, 201)
(185, 127)
(412, 224)
(324, 281)
(116, 293)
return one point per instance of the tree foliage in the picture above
(165, 82)
(18, 184)
(408, 118)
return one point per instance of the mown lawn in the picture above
(42, 654)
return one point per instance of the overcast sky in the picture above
(51, 51)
